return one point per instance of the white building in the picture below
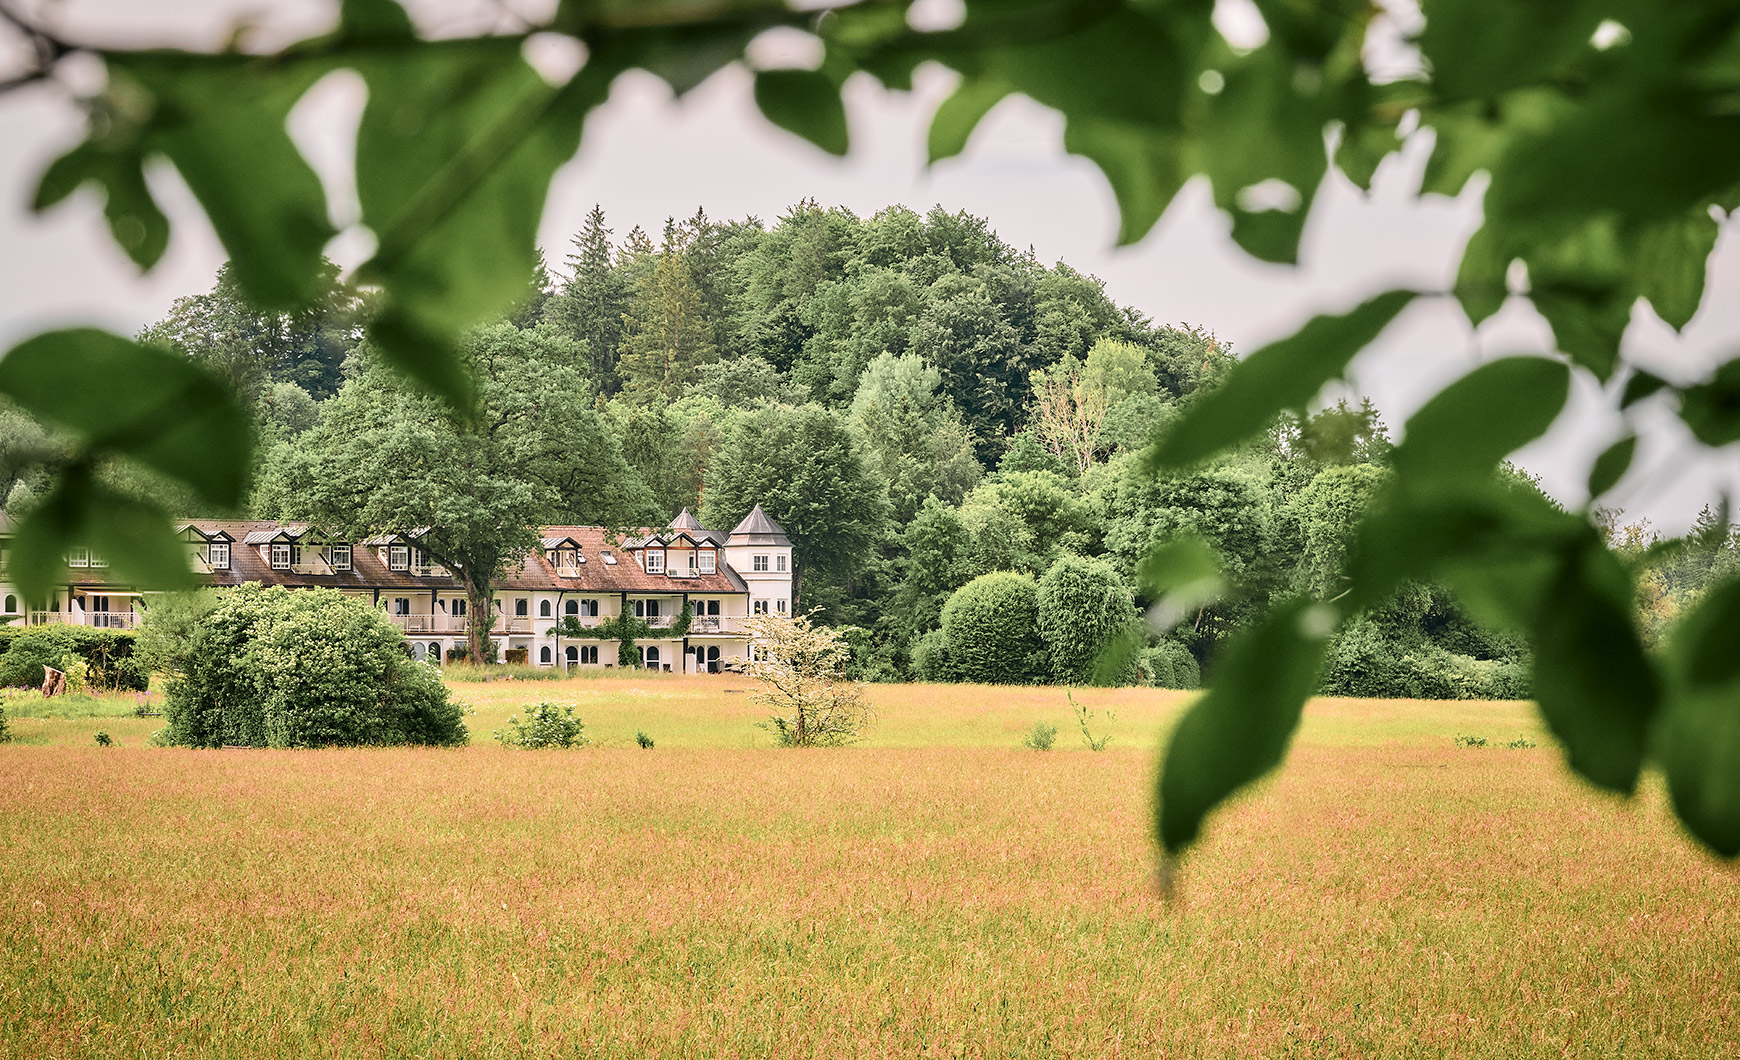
(579, 572)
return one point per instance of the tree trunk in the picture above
(479, 617)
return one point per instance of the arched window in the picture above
(652, 658)
(573, 655)
(435, 651)
(520, 608)
(417, 651)
(544, 655)
(11, 604)
(543, 609)
(572, 607)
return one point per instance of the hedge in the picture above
(24, 651)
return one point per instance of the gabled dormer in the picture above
(652, 554)
(564, 554)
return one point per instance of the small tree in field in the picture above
(802, 668)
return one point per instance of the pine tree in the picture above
(667, 331)
(591, 304)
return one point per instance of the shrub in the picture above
(645, 741)
(5, 731)
(1040, 737)
(992, 630)
(931, 660)
(1470, 741)
(1520, 743)
(304, 668)
(802, 670)
(104, 739)
(108, 655)
(1169, 664)
(547, 725)
(1084, 608)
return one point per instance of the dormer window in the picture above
(78, 557)
(655, 562)
(341, 557)
(98, 561)
(280, 555)
(709, 562)
(398, 557)
(218, 555)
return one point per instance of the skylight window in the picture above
(608, 558)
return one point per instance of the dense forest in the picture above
(949, 430)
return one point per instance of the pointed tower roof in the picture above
(685, 520)
(758, 528)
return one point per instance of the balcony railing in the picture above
(98, 619)
(438, 623)
(715, 624)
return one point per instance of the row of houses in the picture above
(581, 572)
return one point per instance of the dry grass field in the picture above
(935, 892)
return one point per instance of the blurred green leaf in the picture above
(805, 102)
(136, 222)
(1482, 278)
(1284, 374)
(1698, 737)
(1143, 167)
(960, 114)
(1611, 465)
(1712, 410)
(143, 402)
(1669, 264)
(1480, 50)
(1474, 423)
(222, 120)
(457, 147)
(134, 536)
(1596, 688)
(1641, 385)
(1240, 728)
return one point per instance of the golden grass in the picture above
(935, 893)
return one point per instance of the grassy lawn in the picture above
(934, 892)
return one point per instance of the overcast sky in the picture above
(646, 156)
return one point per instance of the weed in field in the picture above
(104, 739)
(1040, 737)
(547, 724)
(1084, 717)
(1520, 742)
(645, 741)
(471, 672)
(5, 733)
(1470, 741)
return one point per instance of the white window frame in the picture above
(758, 607)
(759, 563)
(655, 561)
(275, 553)
(78, 557)
(399, 557)
(779, 605)
(341, 557)
(709, 562)
(779, 562)
(217, 555)
(98, 561)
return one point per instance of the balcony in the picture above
(113, 619)
(96, 619)
(511, 624)
(428, 570)
(428, 623)
(715, 624)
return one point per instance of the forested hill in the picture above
(947, 428)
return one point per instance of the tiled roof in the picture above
(758, 528)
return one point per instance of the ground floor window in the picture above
(544, 654)
(649, 657)
(573, 655)
(589, 655)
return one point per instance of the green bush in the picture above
(547, 725)
(108, 655)
(104, 739)
(991, 626)
(5, 731)
(643, 740)
(1169, 664)
(931, 660)
(1084, 608)
(304, 668)
(1040, 737)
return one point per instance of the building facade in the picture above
(578, 572)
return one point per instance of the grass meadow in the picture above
(935, 891)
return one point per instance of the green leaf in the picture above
(1477, 51)
(1269, 235)
(1240, 729)
(455, 154)
(373, 20)
(222, 120)
(1669, 264)
(1596, 688)
(1697, 739)
(136, 222)
(143, 402)
(1482, 282)
(134, 536)
(1611, 465)
(1281, 375)
(1464, 432)
(1182, 574)
(1641, 385)
(805, 102)
(1143, 167)
(960, 114)
(1712, 410)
